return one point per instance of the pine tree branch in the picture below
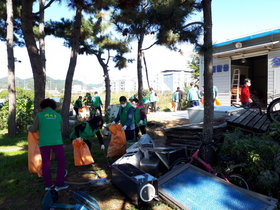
(150, 46)
(193, 23)
(45, 7)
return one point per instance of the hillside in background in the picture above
(51, 84)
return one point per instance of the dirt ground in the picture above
(116, 201)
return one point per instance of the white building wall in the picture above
(273, 74)
(221, 78)
(174, 79)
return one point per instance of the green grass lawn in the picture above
(21, 190)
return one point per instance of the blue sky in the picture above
(231, 19)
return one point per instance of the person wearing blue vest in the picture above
(87, 129)
(126, 118)
(49, 124)
(140, 118)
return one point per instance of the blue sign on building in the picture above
(276, 61)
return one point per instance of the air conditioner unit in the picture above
(138, 185)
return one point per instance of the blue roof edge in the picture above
(254, 36)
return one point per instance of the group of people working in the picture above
(177, 98)
(194, 94)
(49, 125)
(132, 117)
(94, 102)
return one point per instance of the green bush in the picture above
(24, 114)
(261, 155)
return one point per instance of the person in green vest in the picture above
(133, 97)
(87, 129)
(97, 103)
(77, 105)
(140, 118)
(88, 100)
(126, 118)
(49, 124)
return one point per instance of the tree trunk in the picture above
(208, 74)
(11, 69)
(147, 74)
(106, 79)
(39, 75)
(42, 34)
(139, 67)
(71, 70)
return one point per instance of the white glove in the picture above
(124, 127)
(79, 139)
(141, 122)
(112, 123)
(102, 147)
(250, 100)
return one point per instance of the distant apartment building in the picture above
(163, 81)
(124, 84)
(176, 78)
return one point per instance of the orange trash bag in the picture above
(117, 144)
(34, 154)
(82, 155)
(202, 101)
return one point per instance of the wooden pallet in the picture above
(251, 120)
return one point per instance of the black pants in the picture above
(153, 106)
(179, 105)
(87, 142)
(129, 134)
(142, 128)
(77, 111)
(99, 109)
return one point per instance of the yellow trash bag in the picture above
(217, 101)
